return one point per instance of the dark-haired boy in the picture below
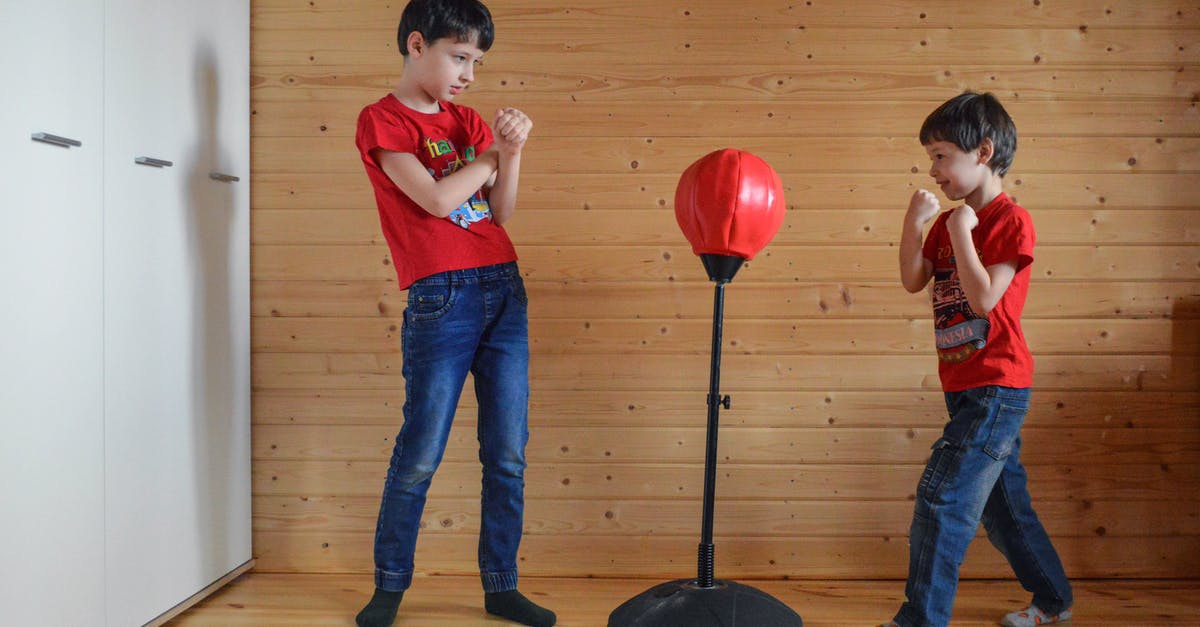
(445, 184)
(979, 256)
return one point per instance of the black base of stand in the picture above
(682, 603)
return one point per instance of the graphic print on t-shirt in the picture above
(446, 160)
(958, 332)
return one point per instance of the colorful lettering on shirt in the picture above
(439, 147)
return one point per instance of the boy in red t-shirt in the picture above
(979, 256)
(445, 185)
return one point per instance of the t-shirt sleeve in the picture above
(1011, 240)
(378, 130)
(479, 130)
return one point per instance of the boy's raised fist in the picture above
(512, 128)
(923, 207)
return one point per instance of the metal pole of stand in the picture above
(706, 601)
(706, 555)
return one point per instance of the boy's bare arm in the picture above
(915, 269)
(511, 130)
(984, 286)
(440, 197)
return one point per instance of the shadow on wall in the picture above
(211, 219)
(1185, 375)
(1185, 350)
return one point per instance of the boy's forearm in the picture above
(438, 197)
(458, 187)
(972, 276)
(913, 272)
(503, 197)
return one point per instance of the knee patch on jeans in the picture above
(416, 473)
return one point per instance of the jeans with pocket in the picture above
(458, 322)
(975, 475)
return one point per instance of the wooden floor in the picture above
(442, 601)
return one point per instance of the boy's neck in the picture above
(415, 98)
(986, 193)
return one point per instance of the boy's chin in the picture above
(953, 194)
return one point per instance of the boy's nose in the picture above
(468, 74)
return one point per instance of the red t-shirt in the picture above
(421, 243)
(976, 351)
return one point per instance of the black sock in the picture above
(515, 607)
(380, 610)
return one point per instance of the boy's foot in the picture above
(514, 606)
(380, 610)
(1032, 616)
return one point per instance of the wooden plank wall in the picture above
(828, 361)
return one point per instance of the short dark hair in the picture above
(968, 119)
(435, 19)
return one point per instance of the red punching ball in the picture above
(729, 203)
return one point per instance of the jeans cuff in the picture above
(499, 582)
(1056, 606)
(392, 582)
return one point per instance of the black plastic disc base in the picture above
(682, 603)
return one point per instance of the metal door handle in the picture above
(47, 138)
(224, 178)
(151, 161)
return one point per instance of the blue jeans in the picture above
(975, 475)
(458, 322)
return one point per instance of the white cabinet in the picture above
(176, 303)
(124, 325)
(51, 363)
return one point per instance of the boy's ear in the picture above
(416, 43)
(986, 150)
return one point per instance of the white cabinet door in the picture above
(225, 144)
(51, 390)
(220, 231)
(218, 224)
(176, 303)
